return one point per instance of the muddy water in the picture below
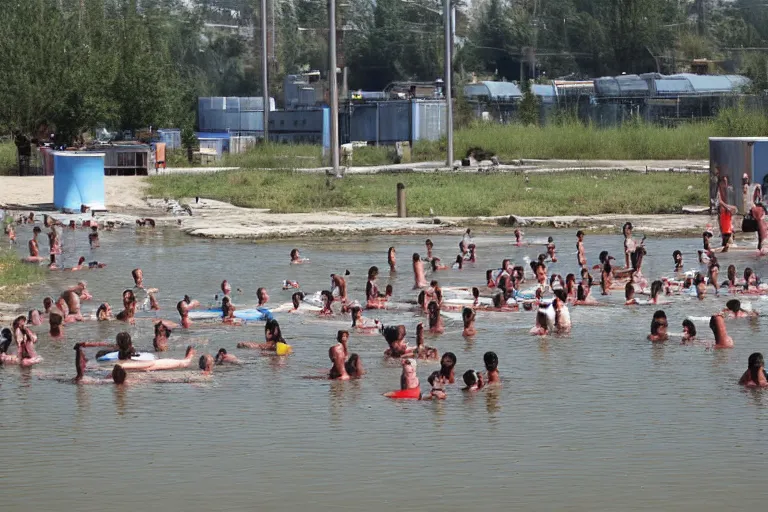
(599, 420)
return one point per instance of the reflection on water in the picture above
(599, 420)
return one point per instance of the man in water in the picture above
(473, 381)
(717, 324)
(222, 357)
(418, 272)
(159, 364)
(491, 361)
(338, 283)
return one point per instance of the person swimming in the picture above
(677, 256)
(468, 317)
(435, 320)
(296, 258)
(755, 376)
(473, 381)
(423, 351)
(491, 361)
(689, 331)
(395, 338)
(659, 327)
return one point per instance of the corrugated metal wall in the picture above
(733, 157)
(216, 114)
(429, 120)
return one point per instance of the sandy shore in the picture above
(123, 193)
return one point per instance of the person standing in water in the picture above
(420, 281)
(725, 212)
(581, 257)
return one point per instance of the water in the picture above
(599, 420)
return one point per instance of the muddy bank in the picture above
(216, 219)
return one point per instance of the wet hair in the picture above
(429, 242)
(747, 274)
(433, 264)
(687, 323)
(434, 313)
(656, 288)
(340, 334)
(47, 302)
(389, 254)
(419, 333)
(119, 374)
(433, 377)
(460, 261)
(541, 319)
(416, 257)
(124, 345)
(135, 273)
(351, 365)
(505, 263)
(625, 226)
(273, 327)
(373, 272)
(445, 370)
(675, 255)
(491, 361)
(391, 333)
(581, 293)
(296, 299)
(222, 351)
(6, 337)
(755, 362)
(470, 378)
(294, 253)
(205, 362)
(733, 305)
(579, 233)
(467, 315)
(712, 322)
(561, 295)
(328, 295)
(421, 297)
(475, 292)
(226, 307)
(629, 290)
(355, 310)
(488, 275)
(36, 230)
(659, 320)
(498, 300)
(259, 293)
(731, 274)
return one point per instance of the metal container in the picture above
(428, 120)
(734, 157)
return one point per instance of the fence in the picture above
(615, 111)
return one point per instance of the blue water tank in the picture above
(78, 179)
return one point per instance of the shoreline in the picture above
(125, 197)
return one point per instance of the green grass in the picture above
(8, 163)
(450, 194)
(15, 276)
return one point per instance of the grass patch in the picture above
(575, 141)
(15, 276)
(451, 194)
(8, 163)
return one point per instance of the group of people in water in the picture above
(509, 288)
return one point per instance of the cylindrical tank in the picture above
(78, 179)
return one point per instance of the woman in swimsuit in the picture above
(391, 259)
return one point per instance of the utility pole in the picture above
(333, 87)
(448, 80)
(264, 70)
